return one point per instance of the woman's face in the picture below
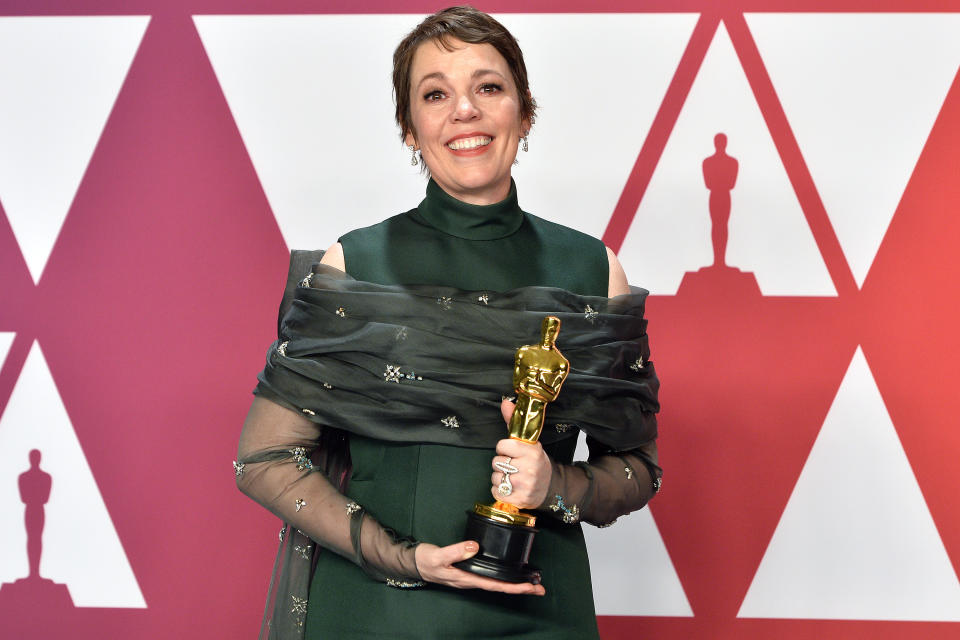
(465, 114)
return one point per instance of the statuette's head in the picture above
(549, 329)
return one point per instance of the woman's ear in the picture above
(410, 140)
(527, 123)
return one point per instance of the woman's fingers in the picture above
(436, 565)
(506, 408)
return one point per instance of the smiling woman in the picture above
(379, 418)
(465, 118)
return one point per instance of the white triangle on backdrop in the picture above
(597, 101)
(768, 233)
(80, 544)
(630, 567)
(311, 96)
(856, 540)
(861, 92)
(59, 79)
(6, 341)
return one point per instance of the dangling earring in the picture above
(525, 146)
(413, 155)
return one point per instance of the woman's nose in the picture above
(465, 108)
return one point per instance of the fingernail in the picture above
(471, 547)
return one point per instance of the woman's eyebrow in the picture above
(438, 75)
(483, 72)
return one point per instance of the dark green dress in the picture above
(424, 490)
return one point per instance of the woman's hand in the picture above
(534, 469)
(435, 564)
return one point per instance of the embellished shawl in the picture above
(430, 364)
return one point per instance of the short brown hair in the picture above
(467, 25)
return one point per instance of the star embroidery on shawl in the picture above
(282, 347)
(590, 314)
(238, 468)
(445, 302)
(562, 427)
(638, 365)
(306, 281)
(392, 374)
(451, 422)
(300, 503)
(484, 298)
(341, 312)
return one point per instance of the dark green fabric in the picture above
(392, 362)
(423, 490)
(407, 249)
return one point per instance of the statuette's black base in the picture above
(504, 550)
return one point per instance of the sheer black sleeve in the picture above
(610, 484)
(277, 466)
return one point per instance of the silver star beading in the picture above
(300, 503)
(485, 299)
(299, 609)
(309, 412)
(352, 508)
(636, 366)
(590, 314)
(341, 312)
(656, 485)
(629, 473)
(562, 427)
(451, 422)
(445, 302)
(303, 550)
(282, 347)
(392, 374)
(570, 515)
(306, 281)
(401, 334)
(404, 584)
(327, 385)
(282, 531)
(238, 468)
(302, 459)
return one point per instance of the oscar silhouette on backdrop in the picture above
(720, 177)
(34, 485)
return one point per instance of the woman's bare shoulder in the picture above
(617, 284)
(334, 257)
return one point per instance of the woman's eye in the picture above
(433, 96)
(490, 87)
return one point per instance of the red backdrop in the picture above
(158, 300)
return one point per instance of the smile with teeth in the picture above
(463, 144)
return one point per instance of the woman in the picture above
(409, 355)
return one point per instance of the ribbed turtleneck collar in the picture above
(471, 221)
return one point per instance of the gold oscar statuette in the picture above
(505, 533)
